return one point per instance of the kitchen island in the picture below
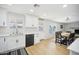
(74, 47)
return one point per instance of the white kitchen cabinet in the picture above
(3, 17)
(6, 43)
(15, 42)
(11, 43)
(2, 44)
(15, 19)
(20, 41)
(36, 38)
(31, 21)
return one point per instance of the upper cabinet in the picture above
(3, 17)
(16, 22)
(15, 19)
(31, 21)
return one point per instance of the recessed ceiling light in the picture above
(31, 10)
(64, 6)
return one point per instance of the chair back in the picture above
(72, 35)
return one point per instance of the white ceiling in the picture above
(54, 12)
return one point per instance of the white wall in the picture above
(45, 25)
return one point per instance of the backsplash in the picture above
(4, 31)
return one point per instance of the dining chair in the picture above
(71, 38)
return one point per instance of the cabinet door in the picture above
(15, 42)
(2, 44)
(36, 39)
(10, 43)
(3, 17)
(15, 18)
(20, 41)
(31, 21)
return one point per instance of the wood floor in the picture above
(47, 47)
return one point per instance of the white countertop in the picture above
(74, 46)
(6, 35)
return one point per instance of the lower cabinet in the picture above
(2, 44)
(11, 43)
(36, 39)
(20, 41)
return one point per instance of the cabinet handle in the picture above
(32, 25)
(17, 41)
(4, 40)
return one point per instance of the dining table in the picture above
(65, 34)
